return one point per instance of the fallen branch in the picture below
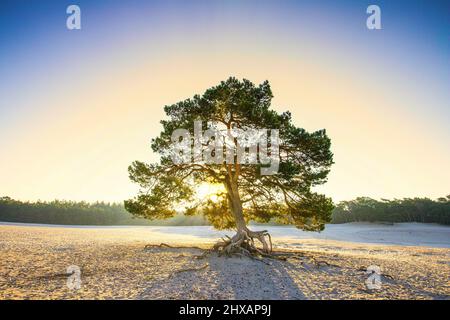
(165, 245)
(191, 269)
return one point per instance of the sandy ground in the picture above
(115, 264)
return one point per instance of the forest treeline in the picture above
(361, 209)
(365, 209)
(79, 213)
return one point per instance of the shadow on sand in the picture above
(229, 278)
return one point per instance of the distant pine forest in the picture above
(361, 209)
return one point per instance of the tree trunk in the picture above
(235, 204)
(243, 240)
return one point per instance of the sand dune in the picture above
(115, 264)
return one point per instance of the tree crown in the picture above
(304, 161)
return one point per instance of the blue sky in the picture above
(76, 107)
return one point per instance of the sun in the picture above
(209, 191)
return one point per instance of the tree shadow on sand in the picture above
(228, 278)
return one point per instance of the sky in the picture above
(78, 106)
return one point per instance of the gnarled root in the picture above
(243, 243)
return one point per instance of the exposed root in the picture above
(161, 245)
(165, 245)
(320, 263)
(191, 269)
(243, 244)
(205, 253)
